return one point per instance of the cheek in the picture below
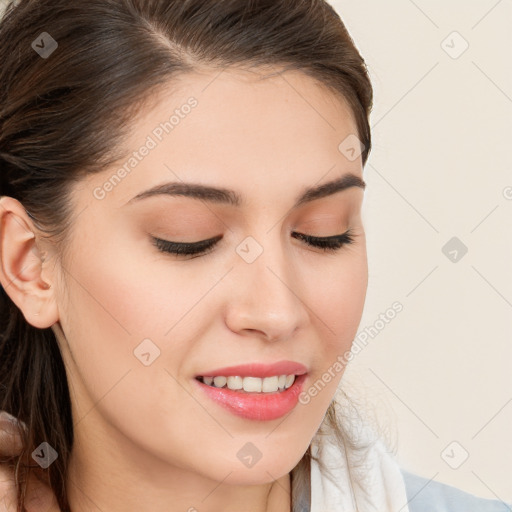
(126, 287)
(339, 301)
(113, 305)
(115, 300)
(338, 297)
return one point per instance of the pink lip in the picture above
(258, 370)
(256, 406)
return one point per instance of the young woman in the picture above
(183, 261)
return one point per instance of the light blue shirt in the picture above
(426, 495)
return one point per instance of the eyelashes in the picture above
(326, 244)
(186, 249)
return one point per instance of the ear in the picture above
(21, 266)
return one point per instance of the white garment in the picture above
(367, 482)
(366, 478)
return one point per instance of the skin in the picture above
(164, 445)
(39, 497)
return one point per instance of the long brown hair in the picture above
(64, 115)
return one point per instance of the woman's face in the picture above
(141, 325)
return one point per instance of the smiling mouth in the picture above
(262, 385)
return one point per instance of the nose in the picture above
(266, 297)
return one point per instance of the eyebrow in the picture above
(230, 197)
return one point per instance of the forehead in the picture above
(243, 106)
(247, 130)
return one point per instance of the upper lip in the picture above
(258, 370)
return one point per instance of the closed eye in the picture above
(326, 243)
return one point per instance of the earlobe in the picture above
(21, 266)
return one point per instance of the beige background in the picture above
(440, 168)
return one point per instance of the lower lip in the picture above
(256, 406)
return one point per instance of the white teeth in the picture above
(219, 381)
(235, 382)
(252, 384)
(289, 381)
(270, 384)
